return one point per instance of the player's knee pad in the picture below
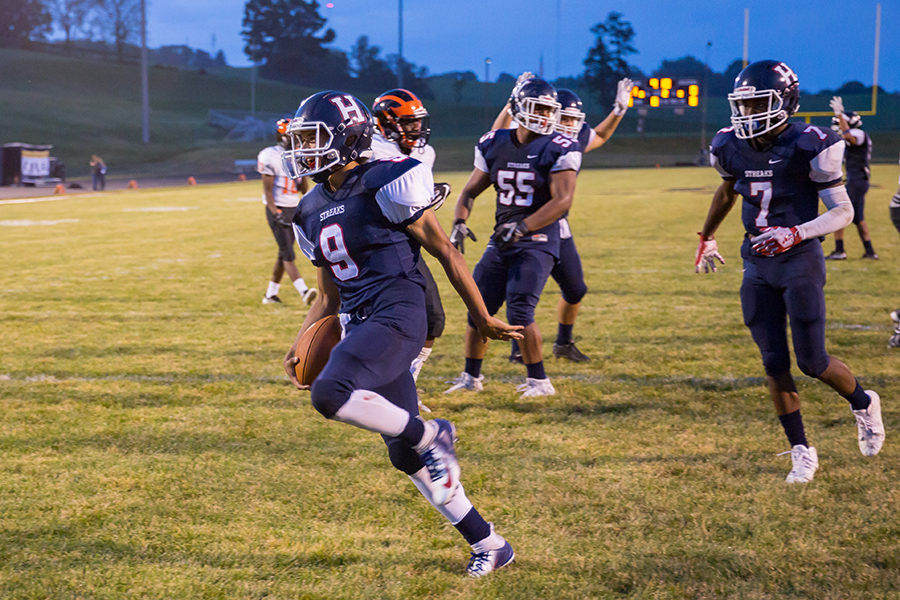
(813, 366)
(519, 313)
(776, 363)
(402, 456)
(895, 216)
(574, 293)
(329, 395)
(436, 321)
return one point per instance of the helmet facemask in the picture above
(570, 121)
(311, 149)
(755, 113)
(538, 114)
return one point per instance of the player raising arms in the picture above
(281, 197)
(362, 226)
(781, 170)
(857, 156)
(403, 130)
(533, 170)
(567, 271)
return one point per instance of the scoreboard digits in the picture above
(658, 92)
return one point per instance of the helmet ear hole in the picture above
(351, 140)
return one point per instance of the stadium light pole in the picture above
(145, 93)
(487, 77)
(399, 43)
(705, 100)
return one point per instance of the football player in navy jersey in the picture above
(894, 341)
(533, 169)
(781, 170)
(567, 271)
(402, 129)
(362, 226)
(857, 156)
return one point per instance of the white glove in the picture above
(523, 78)
(775, 240)
(623, 93)
(707, 255)
(837, 105)
(458, 235)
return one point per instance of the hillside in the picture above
(84, 107)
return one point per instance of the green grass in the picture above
(152, 447)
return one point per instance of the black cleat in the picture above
(870, 256)
(837, 256)
(570, 352)
(272, 300)
(516, 357)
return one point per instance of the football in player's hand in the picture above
(314, 348)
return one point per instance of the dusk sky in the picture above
(826, 42)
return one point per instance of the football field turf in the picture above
(151, 446)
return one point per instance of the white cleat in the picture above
(483, 561)
(439, 457)
(466, 382)
(536, 387)
(805, 462)
(870, 426)
(309, 295)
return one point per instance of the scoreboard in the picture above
(658, 92)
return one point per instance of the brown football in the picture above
(314, 348)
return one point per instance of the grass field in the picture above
(152, 447)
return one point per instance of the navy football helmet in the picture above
(534, 106)
(766, 94)
(330, 129)
(571, 113)
(853, 120)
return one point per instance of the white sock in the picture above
(494, 541)
(455, 510)
(300, 285)
(273, 289)
(368, 410)
(418, 361)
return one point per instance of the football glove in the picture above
(282, 219)
(707, 255)
(459, 233)
(509, 233)
(441, 191)
(775, 240)
(623, 93)
(837, 105)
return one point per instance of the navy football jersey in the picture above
(780, 184)
(859, 155)
(521, 176)
(585, 136)
(359, 232)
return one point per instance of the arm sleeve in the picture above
(825, 166)
(714, 162)
(403, 199)
(570, 161)
(838, 215)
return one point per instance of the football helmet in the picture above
(534, 105)
(571, 115)
(853, 120)
(281, 135)
(329, 130)
(766, 94)
(402, 118)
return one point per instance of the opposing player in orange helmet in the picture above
(403, 119)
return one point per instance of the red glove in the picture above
(775, 240)
(707, 255)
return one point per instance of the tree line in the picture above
(289, 41)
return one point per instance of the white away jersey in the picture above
(268, 162)
(385, 148)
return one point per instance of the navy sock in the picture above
(859, 399)
(868, 247)
(536, 370)
(414, 430)
(473, 527)
(838, 245)
(793, 428)
(564, 334)
(473, 366)
(515, 347)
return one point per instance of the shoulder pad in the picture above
(382, 171)
(815, 139)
